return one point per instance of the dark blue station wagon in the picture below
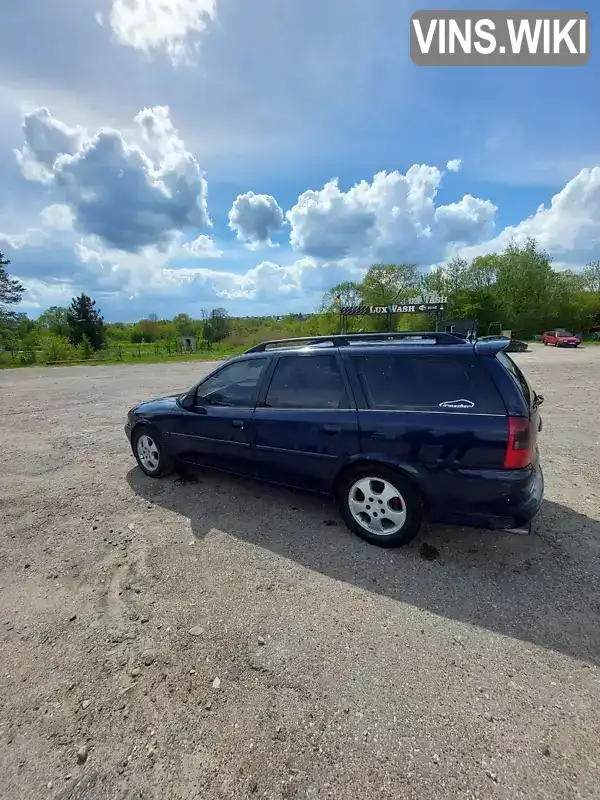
(395, 426)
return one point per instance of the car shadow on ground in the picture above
(542, 589)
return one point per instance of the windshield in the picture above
(564, 333)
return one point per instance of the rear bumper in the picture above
(498, 500)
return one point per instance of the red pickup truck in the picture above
(561, 338)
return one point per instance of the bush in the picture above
(57, 348)
(86, 348)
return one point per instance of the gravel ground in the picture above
(221, 639)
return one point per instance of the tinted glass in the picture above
(307, 382)
(234, 385)
(517, 376)
(428, 383)
(564, 333)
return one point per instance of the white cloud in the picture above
(255, 218)
(454, 164)
(115, 189)
(203, 247)
(469, 220)
(171, 26)
(392, 218)
(46, 138)
(57, 216)
(568, 228)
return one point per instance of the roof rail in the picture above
(346, 339)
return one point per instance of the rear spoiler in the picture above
(490, 347)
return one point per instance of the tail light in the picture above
(518, 447)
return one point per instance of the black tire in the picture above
(411, 502)
(545, 343)
(165, 464)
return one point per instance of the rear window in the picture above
(428, 383)
(516, 375)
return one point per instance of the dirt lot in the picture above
(221, 639)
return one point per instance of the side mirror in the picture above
(188, 401)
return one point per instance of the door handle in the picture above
(332, 429)
(382, 435)
(238, 423)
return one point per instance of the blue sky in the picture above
(173, 155)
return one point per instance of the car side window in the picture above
(311, 382)
(428, 383)
(234, 385)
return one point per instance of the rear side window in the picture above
(428, 383)
(516, 375)
(307, 382)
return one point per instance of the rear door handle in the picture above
(332, 429)
(382, 435)
(238, 423)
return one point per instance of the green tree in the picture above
(347, 293)
(184, 325)
(54, 319)
(84, 319)
(388, 284)
(11, 292)
(591, 277)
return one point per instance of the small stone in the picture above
(197, 631)
(68, 776)
(208, 705)
(49, 785)
(85, 704)
(131, 526)
(73, 617)
(126, 714)
(252, 785)
(346, 709)
(27, 566)
(148, 658)
(135, 672)
(82, 754)
(436, 758)
(144, 620)
(261, 641)
(216, 684)
(546, 751)
(492, 775)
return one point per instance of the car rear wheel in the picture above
(545, 343)
(381, 506)
(150, 453)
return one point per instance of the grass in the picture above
(123, 353)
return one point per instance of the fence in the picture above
(163, 350)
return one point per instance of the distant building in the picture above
(188, 344)
(459, 326)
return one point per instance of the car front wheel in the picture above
(545, 343)
(381, 506)
(150, 453)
